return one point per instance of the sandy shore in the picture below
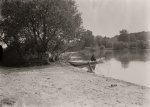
(66, 86)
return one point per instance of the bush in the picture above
(120, 45)
(102, 47)
(132, 45)
(12, 58)
(142, 44)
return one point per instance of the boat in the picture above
(84, 62)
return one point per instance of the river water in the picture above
(131, 66)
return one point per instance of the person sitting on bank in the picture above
(93, 58)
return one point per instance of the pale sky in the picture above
(108, 17)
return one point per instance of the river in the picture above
(131, 66)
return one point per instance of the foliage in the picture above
(38, 26)
(11, 57)
(123, 36)
(86, 39)
(125, 40)
(98, 40)
(138, 40)
(142, 44)
(123, 32)
(103, 42)
(102, 47)
(120, 45)
(133, 45)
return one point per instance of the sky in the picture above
(108, 17)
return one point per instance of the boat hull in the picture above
(82, 63)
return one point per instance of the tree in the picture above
(38, 26)
(106, 42)
(123, 36)
(80, 41)
(88, 38)
(98, 40)
(132, 37)
(123, 32)
(142, 44)
(119, 45)
(85, 39)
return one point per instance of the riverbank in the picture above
(66, 86)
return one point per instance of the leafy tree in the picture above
(142, 36)
(80, 40)
(132, 37)
(120, 45)
(106, 42)
(123, 32)
(142, 44)
(98, 40)
(86, 38)
(123, 36)
(133, 45)
(38, 26)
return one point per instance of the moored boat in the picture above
(82, 62)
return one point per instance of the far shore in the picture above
(66, 86)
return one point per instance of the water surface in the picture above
(131, 66)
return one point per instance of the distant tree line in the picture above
(127, 40)
(124, 40)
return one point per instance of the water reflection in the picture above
(126, 56)
(127, 65)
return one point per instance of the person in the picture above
(93, 58)
(92, 66)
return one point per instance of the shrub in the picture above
(12, 58)
(120, 45)
(142, 44)
(102, 47)
(132, 45)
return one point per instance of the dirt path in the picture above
(63, 86)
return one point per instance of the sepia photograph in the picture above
(74, 53)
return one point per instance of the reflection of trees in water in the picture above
(107, 54)
(132, 55)
(123, 57)
(126, 56)
(86, 54)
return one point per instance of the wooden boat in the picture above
(82, 62)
